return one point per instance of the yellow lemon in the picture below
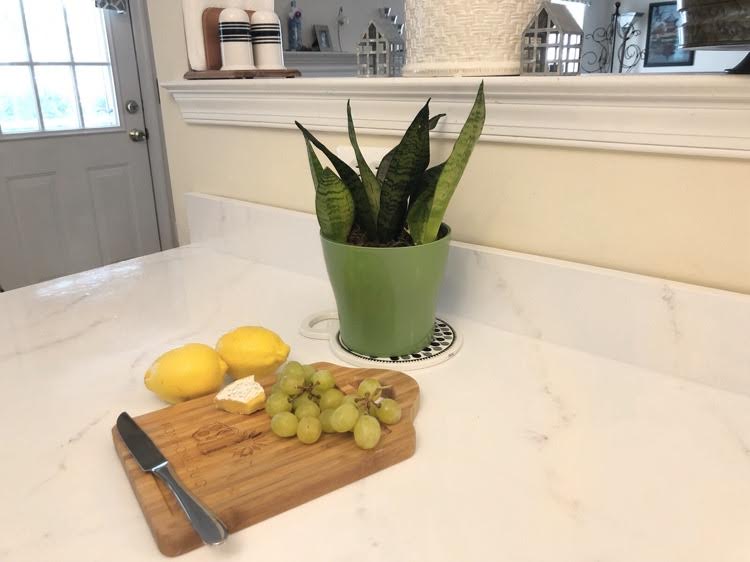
(186, 372)
(252, 350)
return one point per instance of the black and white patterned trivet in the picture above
(444, 345)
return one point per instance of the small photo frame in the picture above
(323, 37)
(662, 41)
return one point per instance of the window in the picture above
(55, 69)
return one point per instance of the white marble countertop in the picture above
(571, 457)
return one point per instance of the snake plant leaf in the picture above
(363, 211)
(334, 206)
(420, 203)
(454, 167)
(435, 120)
(316, 170)
(409, 161)
(386, 161)
(371, 183)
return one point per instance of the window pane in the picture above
(57, 97)
(12, 40)
(46, 24)
(97, 96)
(18, 112)
(88, 36)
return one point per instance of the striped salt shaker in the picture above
(234, 36)
(266, 32)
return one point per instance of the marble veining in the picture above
(56, 341)
(668, 297)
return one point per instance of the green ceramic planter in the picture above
(386, 296)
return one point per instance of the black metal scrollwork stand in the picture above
(607, 51)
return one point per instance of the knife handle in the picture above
(209, 528)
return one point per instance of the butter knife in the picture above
(209, 528)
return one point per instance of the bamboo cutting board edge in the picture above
(245, 462)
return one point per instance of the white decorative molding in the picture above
(707, 115)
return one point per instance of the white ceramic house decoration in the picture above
(551, 43)
(234, 36)
(380, 51)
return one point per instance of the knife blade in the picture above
(148, 456)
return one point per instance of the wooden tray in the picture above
(243, 472)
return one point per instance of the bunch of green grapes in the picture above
(306, 403)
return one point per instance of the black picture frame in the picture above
(323, 37)
(662, 40)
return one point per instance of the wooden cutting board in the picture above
(243, 472)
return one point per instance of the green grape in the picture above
(323, 380)
(291, 384)
(344, 417)
(293, 368)
(325, 421)
(307, 409)
(350, 399)
(331, 398)
(274, 388)
(389, 411)
(367, 432)
(368, 386)
(309, 372)
(278, 402)
(303, 398)
(308, 430)
(284, 424)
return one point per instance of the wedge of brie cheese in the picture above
(243, 396)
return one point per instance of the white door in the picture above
(75, 181)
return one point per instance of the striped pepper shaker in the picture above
(266, 32)
(234, 36)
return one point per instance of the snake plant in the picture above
(404, 201)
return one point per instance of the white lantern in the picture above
(380, 51)
(551, 43)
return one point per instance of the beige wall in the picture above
(682, 218)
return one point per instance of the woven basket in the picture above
(465, 37)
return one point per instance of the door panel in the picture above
(35, 197)
(112, 189)
(74, 200)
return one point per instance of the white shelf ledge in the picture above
(700, 114)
